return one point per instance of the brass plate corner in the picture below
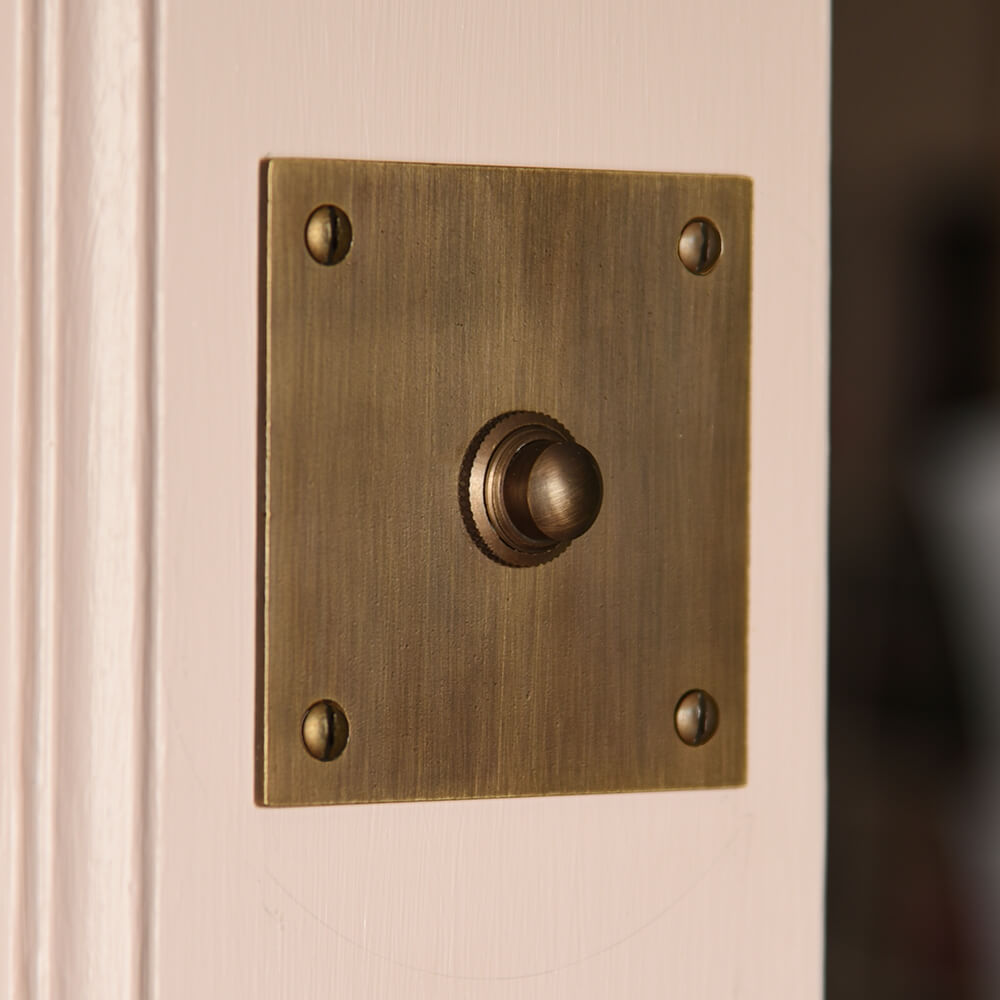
(404, 306)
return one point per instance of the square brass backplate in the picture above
(405, 308)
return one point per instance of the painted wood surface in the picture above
(149, 869)
(11, 796)
(78, 373)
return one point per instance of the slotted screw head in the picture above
(328, 235)
(325, 731)
(700, 246)
(696, 718)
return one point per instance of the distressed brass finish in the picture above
(468, 294)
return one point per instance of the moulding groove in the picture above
(85, 422)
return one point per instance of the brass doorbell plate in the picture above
(407, 311)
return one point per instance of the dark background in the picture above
(915, 359)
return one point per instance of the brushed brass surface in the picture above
(470, 293)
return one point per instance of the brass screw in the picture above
(700, 246)
(328, 235)
(696, 718)
(325, 731)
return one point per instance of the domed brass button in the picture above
(553, 490)
(530, 488)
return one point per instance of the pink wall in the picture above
(151, 763)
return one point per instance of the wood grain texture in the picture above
(135, 459)
(690, 894)
(76, 355)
